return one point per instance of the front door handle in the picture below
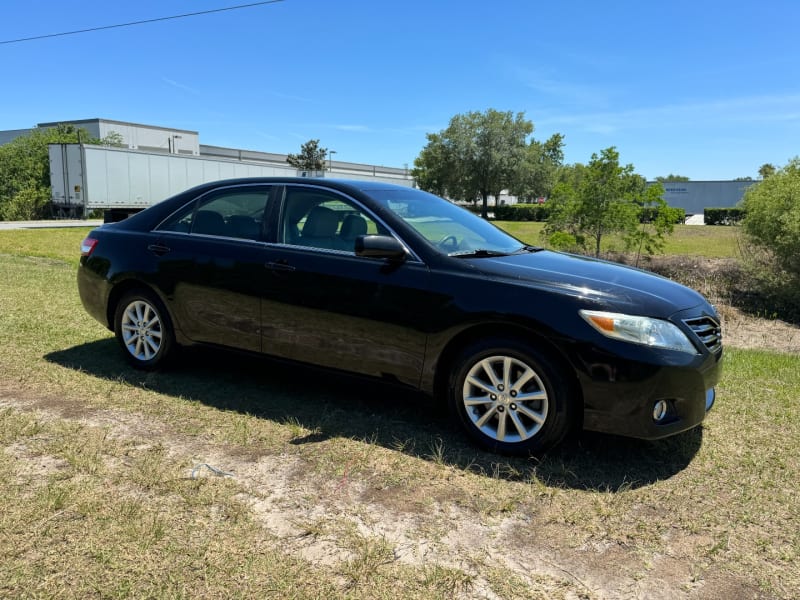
(280, 265)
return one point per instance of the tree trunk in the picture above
(485, 207)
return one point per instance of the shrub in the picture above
(773, 216)
(723, 216)
(521, 212)
(651, 213)
(27, 204)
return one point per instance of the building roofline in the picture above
(336, 163)
(113, 122)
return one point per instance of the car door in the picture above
(327, 306)
(212, 266)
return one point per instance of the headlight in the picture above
(639, 330)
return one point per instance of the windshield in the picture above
(451, 229)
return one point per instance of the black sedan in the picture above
(391, 282)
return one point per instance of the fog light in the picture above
(711, 395)
(660, 410)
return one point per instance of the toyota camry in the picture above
(523, 343)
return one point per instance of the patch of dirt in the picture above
(310, 521)
(34, 468)
(743, 331)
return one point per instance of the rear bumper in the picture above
(94, 290)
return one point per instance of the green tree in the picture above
(310, 158)
(604, 198)
(656, 221)
(538, 173)
(477, 155)
(113, 139)
(766, 170)
(434, 169)
(25, 171)
(571, 175)
(671, 177)
(772, 218)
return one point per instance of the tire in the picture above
(510, 398)
(143, 329)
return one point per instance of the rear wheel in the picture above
(143, 329)
(510, 397)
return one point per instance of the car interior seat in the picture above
(352, 227)
(319, 230)
(242, 226)
(209, 223)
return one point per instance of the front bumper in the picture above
(620, 395)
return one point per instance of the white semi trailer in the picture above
(121, 181)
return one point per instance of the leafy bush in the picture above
(561, 240)
(723, 216)
(650, 214)
(27, 204)
(773, 216)
(521, 212)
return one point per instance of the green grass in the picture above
(708, 241)
(96, 498)
(692, 240)
(60, 244)
(527, 231)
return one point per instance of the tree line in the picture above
(481, 154)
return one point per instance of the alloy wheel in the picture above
(505, 399)
(142, 330)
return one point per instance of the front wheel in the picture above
(143, 329)
(510, 398)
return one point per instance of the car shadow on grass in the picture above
(332, 405)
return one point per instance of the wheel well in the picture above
(118, 292)
(515, 332)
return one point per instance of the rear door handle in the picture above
(280, 265)
(159, 249)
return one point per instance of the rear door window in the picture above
(231, 213)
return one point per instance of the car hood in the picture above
(614, 287)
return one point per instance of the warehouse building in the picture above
(152, 138)
(696, 196)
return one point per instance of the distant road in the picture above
(50, 224)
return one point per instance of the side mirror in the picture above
(380, 246)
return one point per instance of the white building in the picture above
(152, 138)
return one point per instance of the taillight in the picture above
(88, 245)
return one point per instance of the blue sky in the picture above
(706, 89)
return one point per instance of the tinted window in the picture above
(320, 219)
(235, 212)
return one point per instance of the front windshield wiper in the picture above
(479, 253)
(486, 253)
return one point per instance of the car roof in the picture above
(149, 218)
(336, 183)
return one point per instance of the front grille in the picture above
(708, 331)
